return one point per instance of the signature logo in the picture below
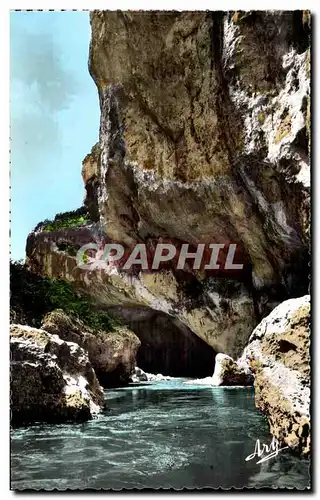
(264, 452)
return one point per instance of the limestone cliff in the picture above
(278, 354)
(204, 138)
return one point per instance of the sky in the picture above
(54, 117)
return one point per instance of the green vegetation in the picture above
(74, 218)
(72, 249)
(32, 296)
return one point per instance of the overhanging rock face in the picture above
(204, 138)
(220, 311)
(204, 135)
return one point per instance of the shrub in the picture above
(74, 218)
(32, 296)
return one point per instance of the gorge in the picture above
(204, 140)
(184, 155)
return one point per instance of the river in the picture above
(156, 435)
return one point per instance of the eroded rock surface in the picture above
(190, 146)
(202, 140)
(220, 311)
(138, 375)
(278, 355)
(112, 354)
(51, 380)
(229, 372)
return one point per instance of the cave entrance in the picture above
(167, 346)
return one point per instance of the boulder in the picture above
(229, 372)
(158, 377)
(111, 353)
(278, 355)
(138, 375)
(51, 380)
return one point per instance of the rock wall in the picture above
(111, 353)
(278, 354)
(204, 138)
(220, 311)
(51, 380)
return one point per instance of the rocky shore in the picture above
(112, 354)
(51, 380)
(279, 356)
(61, 364)
(277, 361)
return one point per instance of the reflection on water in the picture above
(167, 434)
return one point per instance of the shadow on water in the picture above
(165, 434)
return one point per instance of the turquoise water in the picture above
(159, 435)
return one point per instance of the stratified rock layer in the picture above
(278, 355)
(112, 354)
(51, 380)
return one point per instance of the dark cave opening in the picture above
(167, 346)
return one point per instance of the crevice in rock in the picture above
(116, 378)
(230, 132)
(216, 66)
(301, 30)
(300, 144)
(91, 198)
(286, 346)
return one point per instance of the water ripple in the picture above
(165, 434)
